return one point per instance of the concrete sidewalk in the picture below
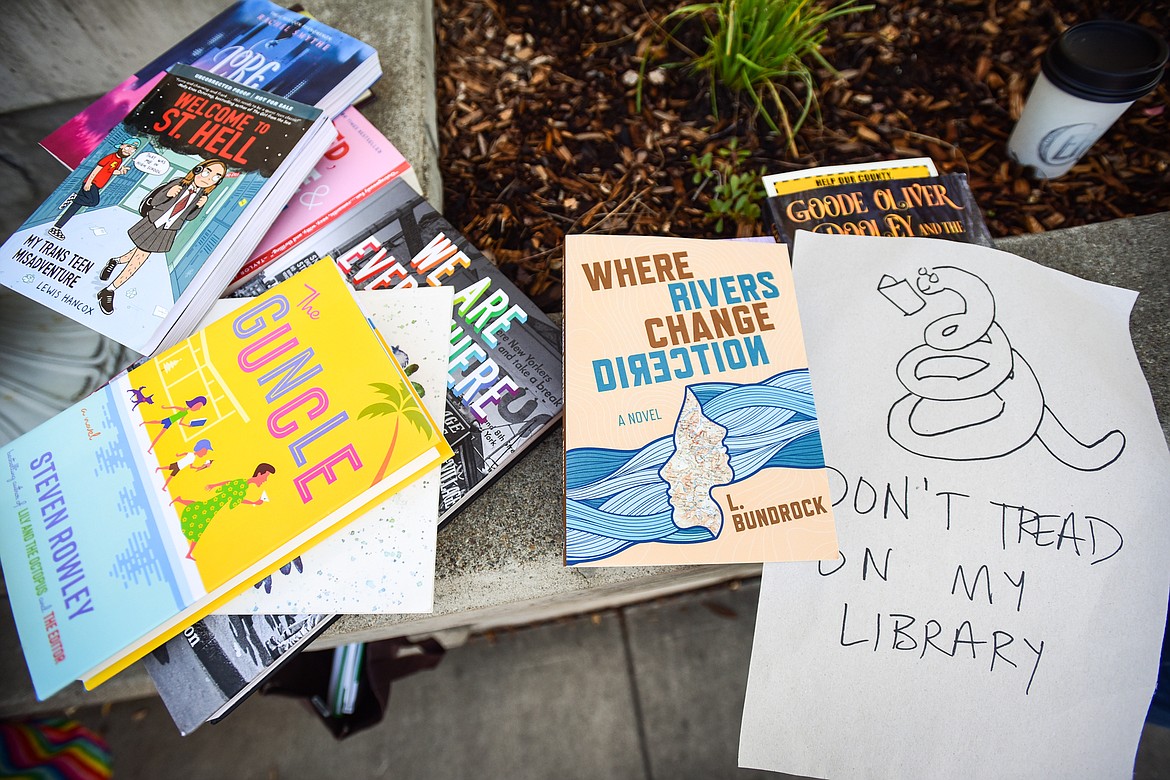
(649, 691)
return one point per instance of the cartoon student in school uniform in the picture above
(89, 193)
(180, 416)
(164, 211)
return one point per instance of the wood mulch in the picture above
(540, 133)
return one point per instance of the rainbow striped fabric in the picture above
(52, 749)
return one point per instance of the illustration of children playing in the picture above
(189, 460)
(164, 211)
(180, 417)
(197, 515)
(89, 193)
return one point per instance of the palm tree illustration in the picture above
(399, 403)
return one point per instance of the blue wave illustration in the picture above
(616, 499)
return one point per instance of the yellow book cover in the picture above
(135, 512)
(691, 435)
(808, 179)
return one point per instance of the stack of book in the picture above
(139, 524)
(498, 390)
(190, 159)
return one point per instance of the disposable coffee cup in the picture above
(1088, 78)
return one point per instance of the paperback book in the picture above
(111, 543)
(138, 242)
(256, 43)
(360, 162)
(384, 561)
(929, 207)
(504, 379)
(691, 431)
(205, 672)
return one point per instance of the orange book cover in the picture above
(691, 435)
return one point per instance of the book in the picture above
(256, 43)
(504, 382)
(211, 667)
(927, 207)
(361, 161)
(279, 411)
(384, 561)
(174, 195)
(691, 430)
(805, 179)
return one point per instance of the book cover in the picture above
(361, 161)
(788, 182)
(931, 207)
(205, 672)
(128, 241)
(383, 561)
(504, 381)
(253, 42)
(691, 433)
(292, 416)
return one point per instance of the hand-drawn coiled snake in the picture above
(971, 395)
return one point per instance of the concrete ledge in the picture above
(500, 560)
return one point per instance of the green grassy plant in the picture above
(736, 194)
(758, 48)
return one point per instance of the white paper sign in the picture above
(1001, 486)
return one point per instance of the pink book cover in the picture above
(691, 435)
(357, 165)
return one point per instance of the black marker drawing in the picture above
(971, 396)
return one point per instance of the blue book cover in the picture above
(255, 43)
(126, 240)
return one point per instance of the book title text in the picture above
(482, 313)
(212, 127)
(269, 336)
(714, 324)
